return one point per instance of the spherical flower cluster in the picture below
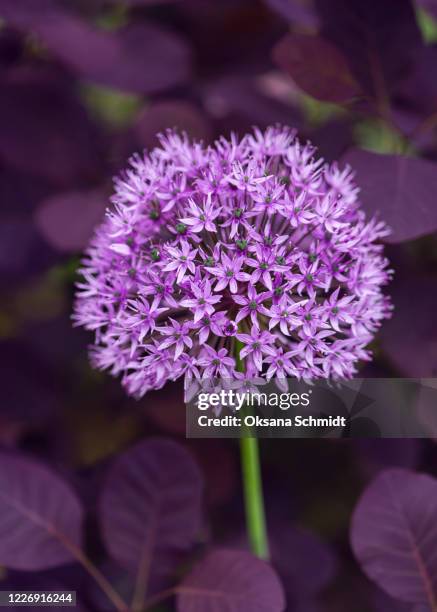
(244, 259)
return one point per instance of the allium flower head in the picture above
(250, 247)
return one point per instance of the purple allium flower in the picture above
(254, 245)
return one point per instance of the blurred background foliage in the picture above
(86, 83)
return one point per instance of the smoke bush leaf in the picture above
(394, 535)
(40, 516)
(379, 38)
(67, 220)
(317, 67)
(231, 581)
(306, 564)
(141, 57)
(400, 189)
(151, 502)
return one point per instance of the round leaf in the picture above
(394, 535)
(151, 502)
(400, 189)
(317, 67)
(67, 220)
(231, 581)
(40, 516)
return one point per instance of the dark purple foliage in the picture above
(394, 535)
(44, 129)
(317, 67)
(410, 337)
(116, 59)
(399, 189)
(151, 503)
(231, 580)
(304, 562)
(67, 220)
(378, 37)
(41, 517)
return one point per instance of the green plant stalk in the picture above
(253, 497)
(253, 490)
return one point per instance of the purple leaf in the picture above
(298, 12)
(67, 220)
(409, 338)
(305, 563)
(41, 517)
(399, 189)
(394, 535)
(418, 93)
(44, 130)
(140, 58)
(231, 580)
(379, 38)
(317, 67)
(151, 502)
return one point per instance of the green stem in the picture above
(253, 490)
(253, 497)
